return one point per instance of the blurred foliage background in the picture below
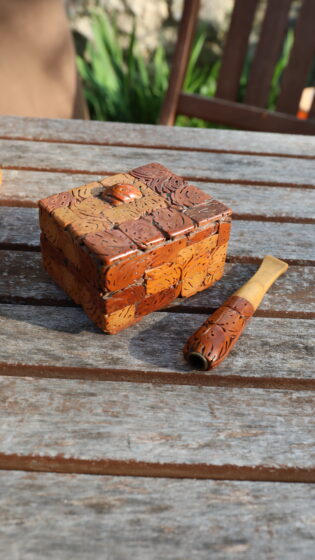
(122, 83)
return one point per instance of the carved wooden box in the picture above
(132, 243)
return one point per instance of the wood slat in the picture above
(45, 156)
(19, 226)
(267, 52)
(235, 48)
(20, 229)
(241, 116)
(301, 56)
(25, 188)
(265, 435)
(44, 515)
(42, 338)
(180, 60)
(286, 241)
(291, 296)
(23, 280)
(146, 429)
(113, 134)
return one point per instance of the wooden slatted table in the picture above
(111, 447)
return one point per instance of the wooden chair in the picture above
(251, 115)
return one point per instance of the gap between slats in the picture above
(12, 203)
(186, 177)
(60, 464)
(158, 147)
(50, 302)
(166, 378)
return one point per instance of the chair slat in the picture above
(181, 57)
(267, 52)
(242, 116)
(311, 114)
(303, 50)
(235, 48)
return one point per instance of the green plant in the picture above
(121, 85)
(278, 71)
(281, 64)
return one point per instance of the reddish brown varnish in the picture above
(120, 193)
(131, 243)
(207, 347)
(211, 343)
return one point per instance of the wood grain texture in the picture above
(291, 295)
(154, 415)
(162, 277)
(231, 167)
(292, 241)
(113, 134)
(19, 226)
(64, 336)
(157, 424)
(248, 238)
(27, 187)
(23, 280)
(106, 517)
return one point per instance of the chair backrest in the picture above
(251, 114)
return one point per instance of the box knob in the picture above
(121, 193)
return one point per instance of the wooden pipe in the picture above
(212, 342)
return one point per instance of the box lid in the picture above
(128, 213)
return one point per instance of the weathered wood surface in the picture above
(253, 419)
(271, 348)
(25, 188)
(23, 279)
(108, 517)
(51, 156)
(292, 293)
(19, 226)
(113, 134)
(155, 424)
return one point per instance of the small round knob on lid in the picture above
(121, 193)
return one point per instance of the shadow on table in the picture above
(159, 339)
(68, 319)
(154, 344)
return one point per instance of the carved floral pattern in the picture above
(218, 334)
(158, 178)
(131, 243)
